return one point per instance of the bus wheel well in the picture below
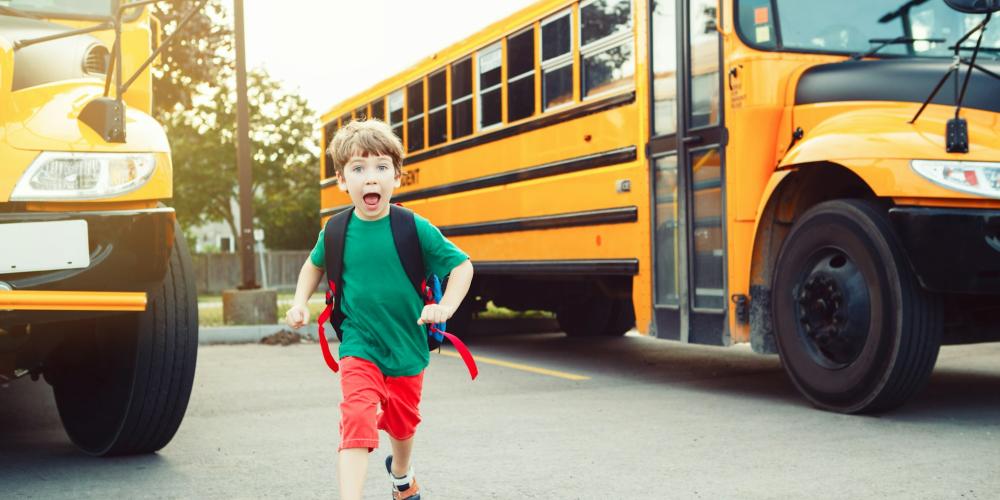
(808, 185)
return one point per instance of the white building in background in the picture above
(213, 237)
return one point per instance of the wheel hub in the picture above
(833, 309)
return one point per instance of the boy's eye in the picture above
(383, 167)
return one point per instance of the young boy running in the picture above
(384, 348)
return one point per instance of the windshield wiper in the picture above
(885, 42)
(10, 11)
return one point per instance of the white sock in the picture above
(402, 481)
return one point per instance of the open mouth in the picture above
(371, 200)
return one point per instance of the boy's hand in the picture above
(297, 316)
(435, 313)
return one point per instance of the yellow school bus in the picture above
(778, 172)
(96, 288)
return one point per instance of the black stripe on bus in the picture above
(544, 121)
(589, 267)
(613, 157)
(587, 218)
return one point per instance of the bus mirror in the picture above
(974, 6)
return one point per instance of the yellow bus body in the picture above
(773, 152)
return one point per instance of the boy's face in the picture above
(369, 180)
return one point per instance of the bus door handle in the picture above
(692, 139)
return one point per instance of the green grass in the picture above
(210, 310)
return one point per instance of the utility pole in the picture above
(249, 304)
(246, 239)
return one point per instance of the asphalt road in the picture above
(549, 418)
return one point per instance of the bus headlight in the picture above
(83, 176)
(976, 177)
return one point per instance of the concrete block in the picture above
(250, 307)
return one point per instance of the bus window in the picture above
(606, 46)
(415, 116)
(557, 61)
(489, 86)
(345, 119)
(378, 109)
(704, 41)
(707, 237)
(461, 98)
(666, 231)
(361, 113)
(756, 22)
(437, 104)
(328, 131)
(396, 113)
(521, 75)
(664, 47)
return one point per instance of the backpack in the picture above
(429, 288)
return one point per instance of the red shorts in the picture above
(364, 389)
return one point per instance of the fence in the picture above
(221, 271)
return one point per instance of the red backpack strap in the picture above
(463, 351)
(323, 318)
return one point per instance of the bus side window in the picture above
(521, 75)
(437, 105)
(396, 113)
(461, 98)
(328, 131)
(557, 61)
(606, 46)
(489, 86)
(378, 109)
(415, 116)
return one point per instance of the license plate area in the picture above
(44, 246)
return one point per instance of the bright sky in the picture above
(333, 49)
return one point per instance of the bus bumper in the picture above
(129, 252)
(951, 250)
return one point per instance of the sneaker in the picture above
(403, 488)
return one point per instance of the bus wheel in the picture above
(855, 331)
(122, 383)
(589, 317)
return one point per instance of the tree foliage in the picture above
(284, 145)
(201, 54)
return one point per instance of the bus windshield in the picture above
(83, 8)
(857, 26)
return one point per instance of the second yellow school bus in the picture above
(720, 172)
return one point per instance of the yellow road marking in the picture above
(519, 366)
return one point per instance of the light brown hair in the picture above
(365, 138)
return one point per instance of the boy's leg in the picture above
(353, 468)
(363, 388)
(400, 416)
(401, 455)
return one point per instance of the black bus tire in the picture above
(122, 385)
(855, 331)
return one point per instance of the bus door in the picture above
(686, 151)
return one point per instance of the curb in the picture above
(249, 334)
(252, 334)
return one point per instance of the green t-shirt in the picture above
(379, 303)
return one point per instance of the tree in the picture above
(200, 55)
(285, 154)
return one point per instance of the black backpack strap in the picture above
(404, 234)
(333, 243)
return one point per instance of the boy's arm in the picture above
(458, 285)
(309, 278)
